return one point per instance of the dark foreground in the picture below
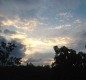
(68, 65)
(42, 73)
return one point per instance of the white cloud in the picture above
(77, 21)
(60, 27)
(58, 40)
(65, 15)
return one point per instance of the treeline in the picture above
(68, 65)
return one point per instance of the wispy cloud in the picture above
(67, 26)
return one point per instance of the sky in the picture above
(38, 25)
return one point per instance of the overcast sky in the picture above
(38, 25)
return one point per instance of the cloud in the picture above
(9, 34)
(7, 31)
(61, 27)
(28, 46)
(38, 45)
(2, 39)
(65, 15)
(20, 24)
(41, 58)
(38, 25)
(18, 51)
(42, 49)
(77, 34)
(59, 41)
(34, 9)
(17, 7)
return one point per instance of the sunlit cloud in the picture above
(18, 36)
(20, 24)
(8, 23)
(38, 46)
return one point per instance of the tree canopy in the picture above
(68, 57)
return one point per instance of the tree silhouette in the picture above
(5, 52)
(68, 57)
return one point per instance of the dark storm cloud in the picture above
(7, 31)
(18, 51)
(2, 39)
